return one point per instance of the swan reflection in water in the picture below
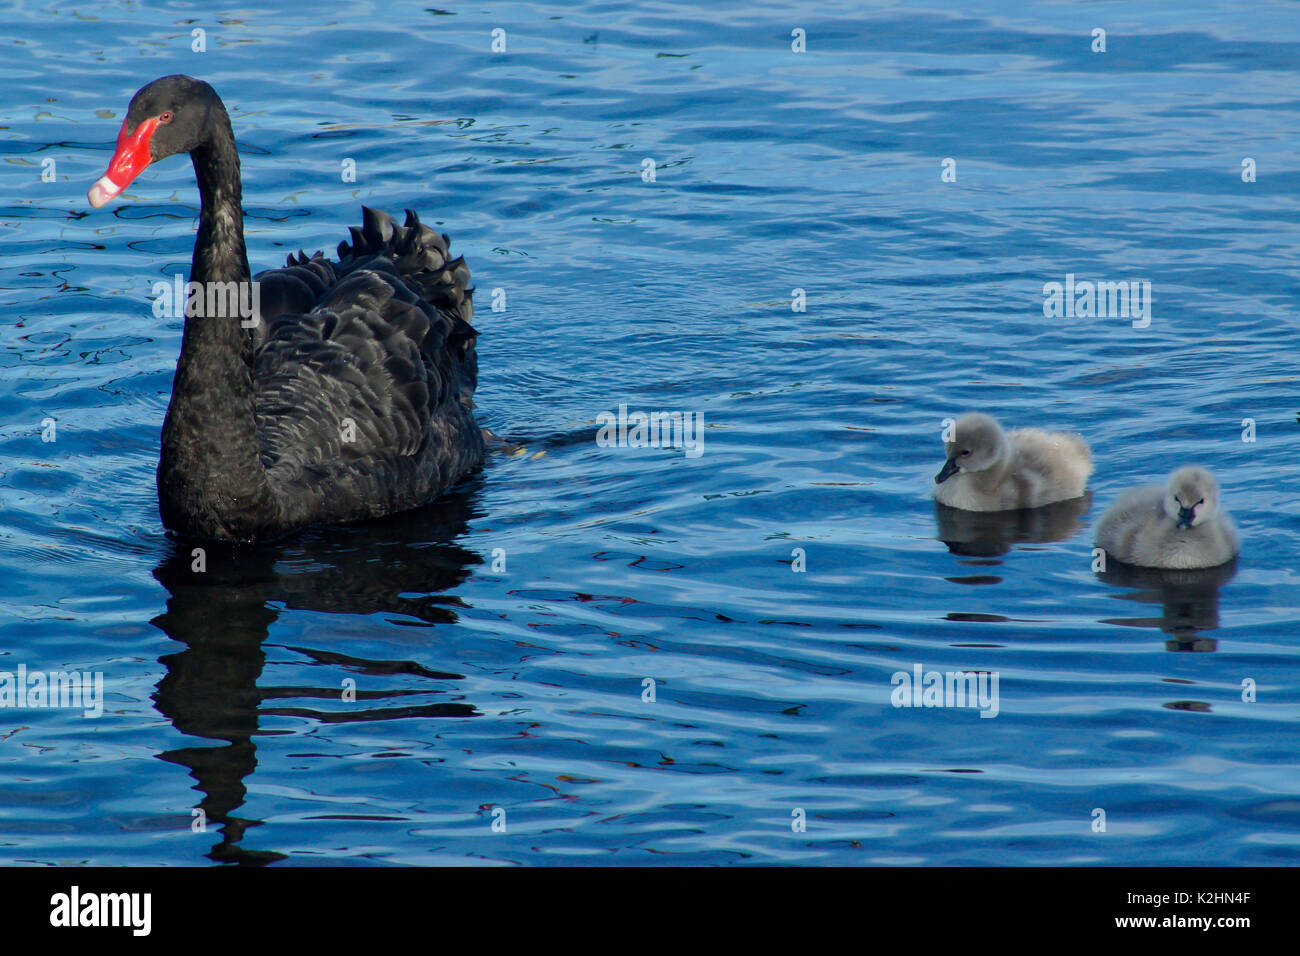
(990, 534)
(1189, 600)
(397, 565)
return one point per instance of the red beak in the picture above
(131, 157)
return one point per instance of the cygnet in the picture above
(1176, 525)
(991, 470)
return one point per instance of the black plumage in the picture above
(350, 398)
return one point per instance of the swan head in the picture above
(171, 115)
(1191, 497)
(978, 444)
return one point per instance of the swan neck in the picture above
(993, 476)
(211, 480)
(219, 252)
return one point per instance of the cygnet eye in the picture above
(966, 452)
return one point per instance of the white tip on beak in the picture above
(103, 191)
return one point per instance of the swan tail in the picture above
(1084, 451)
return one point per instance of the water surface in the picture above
(499, 641)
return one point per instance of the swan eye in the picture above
(166, 117)
(1199, 503)
(966, 452)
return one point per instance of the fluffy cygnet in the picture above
(1175, 525)
(991, 470)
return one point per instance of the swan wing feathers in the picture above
(385, 350)
(423, 259)
(1136, 513)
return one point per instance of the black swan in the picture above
(348, 394)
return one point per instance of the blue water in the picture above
(515, 694)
